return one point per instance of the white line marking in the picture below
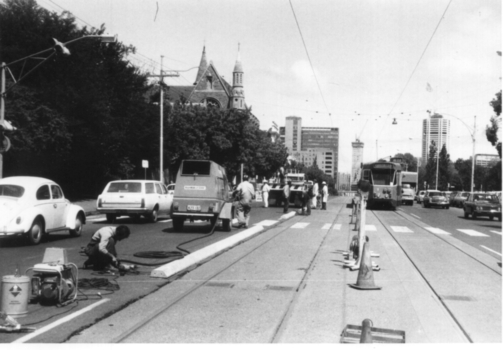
(473, 233)
(402, 229)
(415, 215)
(490, 250)
(370, 228)
(437, 231)
(58, 322)
(499, 233)
(337, 227)
(326, 227)
(300, 225)
(167, 220)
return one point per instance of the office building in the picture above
(435, 128)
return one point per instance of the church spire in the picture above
(238, 94)
(203, 66)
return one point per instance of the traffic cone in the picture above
(365, 279)
(366, 336)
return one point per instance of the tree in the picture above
(444, 177)
(409, 159)
(492, 130)
(431, 166)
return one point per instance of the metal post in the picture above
(436, 181)
(161, 142)
(2, 112)
(473, 153)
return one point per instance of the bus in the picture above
(385, 180)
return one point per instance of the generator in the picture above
(54, 281)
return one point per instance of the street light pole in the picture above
(3, 124)
(473, 153)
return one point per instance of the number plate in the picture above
(193, 207)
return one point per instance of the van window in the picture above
(158, 188)
(196, 167)
(149, 188)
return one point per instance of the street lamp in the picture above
(472, 134)
(58, 46)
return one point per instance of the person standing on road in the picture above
(246, 193)
(316, 194)
(324, 193)
(265, 193)
(286, 196)
(101, 250)
(307, 192)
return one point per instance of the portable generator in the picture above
(54, 281)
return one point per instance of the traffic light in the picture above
(4, 141)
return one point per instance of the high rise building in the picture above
(435, 128)
(310, 144)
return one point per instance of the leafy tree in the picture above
(444, 177)
(431, 166)
(492, 130)
(492, 180)
(409, 159)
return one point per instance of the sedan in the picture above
(459, 199)
(435, 199)
(34, 207)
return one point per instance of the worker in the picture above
(307, 193)
(246, 193)
(316, 195)
(265, 193)
(324, 193)
(286, 196)
(101, 251)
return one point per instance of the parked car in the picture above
(134, 198)
(434, 198)
(419, 196)
(448, 195)
(34, 207)
(459, 199)
(482, 204)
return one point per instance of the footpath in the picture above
(303, 256)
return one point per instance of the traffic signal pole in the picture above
(2, 115)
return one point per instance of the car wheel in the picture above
(36, 232)
(226, 225)
(110, 218)
(466, 215)
(154, 215)
(77, 232)
(178, 223)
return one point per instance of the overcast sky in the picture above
(367, 61)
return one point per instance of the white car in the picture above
(134, 198)
(35, 207)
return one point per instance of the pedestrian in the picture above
(101, 251)
(324, 193)
(307, 192)
(246, 193)
(316, 194)
(286, 196)
(265, 193)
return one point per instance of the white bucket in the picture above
(15, 295)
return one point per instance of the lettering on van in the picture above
(195, 188)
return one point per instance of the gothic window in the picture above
(211, 102)
(209, 82)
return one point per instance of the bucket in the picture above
(15, 295)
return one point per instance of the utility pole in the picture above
(473, 152)
(161, 104)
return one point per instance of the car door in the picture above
(162, 194)
(45, 206)
(60, 206)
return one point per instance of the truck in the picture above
(409, 186)
(276, 192)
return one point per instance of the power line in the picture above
(417, 64)
(310, 63)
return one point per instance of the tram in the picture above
(385, 180)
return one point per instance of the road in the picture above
(478, 241)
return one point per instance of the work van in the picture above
(201, 193)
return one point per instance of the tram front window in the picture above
(383, 177)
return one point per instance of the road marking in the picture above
(300, 225)
(58, 322)
(415, 215)
(266, 223)
(402, 229)
(473, 233)
(326, 227)
(337, 227)
(499, 233)
(370, 228)
(490, 250)
(437, 231)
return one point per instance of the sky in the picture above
(351, 64)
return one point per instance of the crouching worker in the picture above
(101, 249)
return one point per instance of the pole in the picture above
(436, 181)
(2, 112)
(473, 153)
(161, 142)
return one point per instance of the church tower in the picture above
(238, 94)
(203, 66)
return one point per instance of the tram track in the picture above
(151, 317)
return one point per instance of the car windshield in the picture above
(129, 187)
(431, 194)
(485, 198)
(11, 191)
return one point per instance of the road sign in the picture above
(144, 163)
